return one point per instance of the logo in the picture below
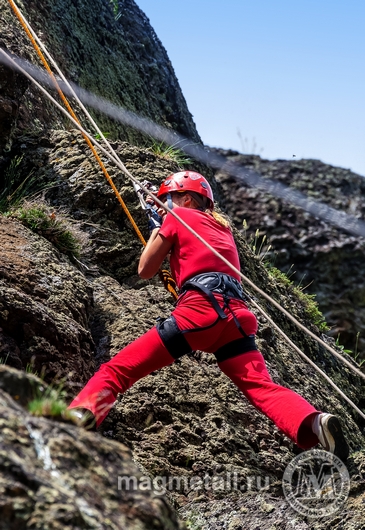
(316, 483)
(195, 176)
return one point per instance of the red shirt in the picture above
(188, 255)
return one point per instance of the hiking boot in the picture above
(85, 418)
(328, 429)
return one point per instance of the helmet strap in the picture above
(170, 204)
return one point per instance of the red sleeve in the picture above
(169, 228)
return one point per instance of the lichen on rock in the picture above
(326, 261)
(58, 476)
(63, 317)
(186, 420)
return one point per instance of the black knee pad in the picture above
(173, 338)
(236, 347)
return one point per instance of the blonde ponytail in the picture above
(201, 204)
(219, 218)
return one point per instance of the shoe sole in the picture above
(341, 448)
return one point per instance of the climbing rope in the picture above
(217, 254)
(165, 276)
(30, 33)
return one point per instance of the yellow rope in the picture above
(167, 280)
(70, 110)
(118, 164)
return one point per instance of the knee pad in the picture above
(173, 338)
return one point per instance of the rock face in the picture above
(62, 161)
(58, 476)
(45, 306)
(63, 317)
(186, 421)
(122, 60)
(329, 261)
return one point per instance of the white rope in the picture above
(328, 379)
(72, 91)
(11, 62)
(249, 177)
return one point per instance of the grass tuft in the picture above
(115, 6)
(258, 243)
(53, 225)
(310, 305)
(169, 152)
(355, 354)
(50, 402)
(49, 407)
(13, 190)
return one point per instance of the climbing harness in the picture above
(208, 283)
(173, 337)
(219, 283)
(117, 162)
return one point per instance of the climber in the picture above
(211, 315)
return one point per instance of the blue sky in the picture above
(288, 75)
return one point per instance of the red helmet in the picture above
(187, 181)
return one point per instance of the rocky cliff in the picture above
(123, 60)
(328, 261)
(186, 421)
(55, 475)
(62, 315)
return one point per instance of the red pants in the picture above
(289, 411)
